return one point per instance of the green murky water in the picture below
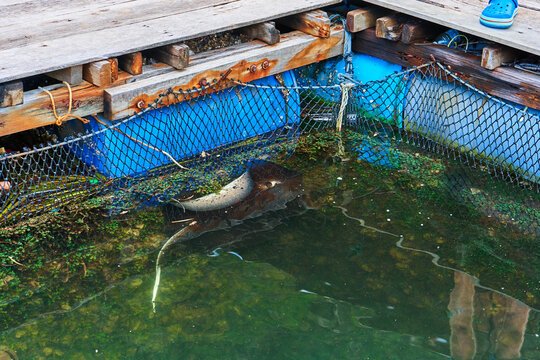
(339, 264)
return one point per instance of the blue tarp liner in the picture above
(462, 118)
(380, 100)
(188, 128)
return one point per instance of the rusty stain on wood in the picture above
(240, 71)
(314, 23)
(293, 51)
(89, 99)
(316, 51)
(132, 63)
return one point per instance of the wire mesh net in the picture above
(196, 141)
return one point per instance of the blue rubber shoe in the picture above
(499, 13)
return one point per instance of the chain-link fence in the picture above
(196, 141)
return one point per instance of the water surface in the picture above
(336, 264)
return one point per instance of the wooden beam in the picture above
(462, 15)
(494, 56)
(98, 73)
(295, 49)
(389, 27)
(72, 75)
(11, 94)
(266, 32)
(131, 63)
(175, 55)
(507, 83)
(314, 23)
(419, 31)
(59, 35)
(361, 19)
(36, 111)
(114, 69)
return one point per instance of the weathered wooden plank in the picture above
(72, 75)
(365, 18)
(314, 23)
(41, 20)
(131, 63)
(88, 99)
(98, 73)
(63, 48)
(36, 110)
(510, 84)
(295, 49)
(494, 56)
(266, 32)
(416, 31)
(389, 27)
(175, 55)
(11, 94)
(463, 16)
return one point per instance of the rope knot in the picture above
(61, 119)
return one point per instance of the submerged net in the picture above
(196, 141)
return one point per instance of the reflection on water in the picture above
(308, 267)
(484, 323)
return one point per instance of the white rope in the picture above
(169, 242)
(345, 88)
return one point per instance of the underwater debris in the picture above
(231, 193)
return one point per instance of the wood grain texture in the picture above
(98, 73)
(510, 84)
(389, 27)
(314, 23)
(294, 50)
(365, 18)
(494, 56)
(36, 110)
(40, 36)
(88, 99)
(11, 94)
(114, 69)
(463, 15)
(72, 75)
(131, 63)
(175, 55)
(418, 31)
(266, 32)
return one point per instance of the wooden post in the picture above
(98, 73)
(11, 93)
(72, 75)
(493, 56)
(176, 55)
(361, 19)
(314, 23)
(131, 63)
(389, 27)
(415, 31)
(266, 32)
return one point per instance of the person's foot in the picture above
(499, 13)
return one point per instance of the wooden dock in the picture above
(402, 32)
(96, 45)
(463, 15)
(100, 47)
(39, 36)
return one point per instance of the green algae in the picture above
(72, 255)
